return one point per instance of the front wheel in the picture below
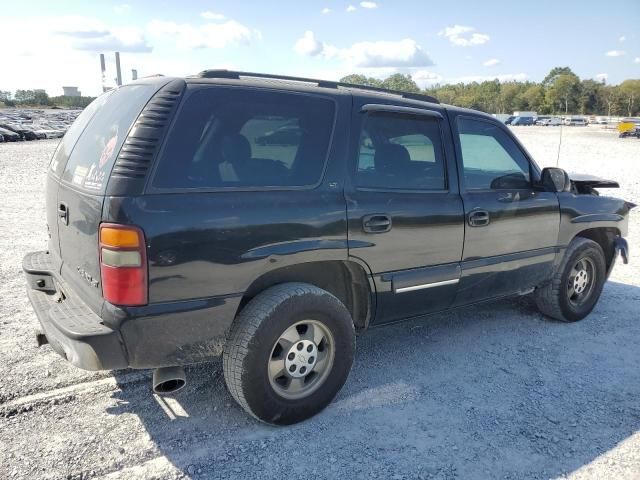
(577, 283)
(289, 352)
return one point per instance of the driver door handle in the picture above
(376, 223)
(479, 218)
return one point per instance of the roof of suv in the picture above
(311, 82)
(265, 80)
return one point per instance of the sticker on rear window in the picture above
(95, 178)
(109, 147)
(79, 173)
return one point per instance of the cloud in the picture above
(602, 76)
(636, 60)
(615, 53)
(122, 8)
(308, 45)
(209, 35)
(326, 10)
(351, 8)
(622, 38)
(403, 53)
(92, 35)
(461, 36)
(491, 62)
(380, 54)
(209, 15)
(368, 4)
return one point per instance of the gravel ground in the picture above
(493, 391)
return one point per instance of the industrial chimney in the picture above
(103, 70)
(118, 72)
(134, 74)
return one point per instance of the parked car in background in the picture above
(601, 120)
(550, 122)
(576, 121)
(522, 121)
(629, 127)
(26, 132)
(10, 136)
(541, 119)
(509, 120)
(1, 138)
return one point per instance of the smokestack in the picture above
(134, 74)
(102, 70)
(118, 72)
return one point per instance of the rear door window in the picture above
(98, 143)
(239, 138)
(399, 151)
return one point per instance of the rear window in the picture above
(235, 138)
(95, 139)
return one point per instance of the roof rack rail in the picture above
(236, 75)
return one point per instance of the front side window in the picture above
(229, 137)
(400, 151)
(491, 159)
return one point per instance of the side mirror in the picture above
(555, 180)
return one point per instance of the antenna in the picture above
(559, 144)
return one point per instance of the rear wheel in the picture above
(289, 352)
(576, 284)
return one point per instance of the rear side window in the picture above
(99, 141)
(400, 151)
(235, 138)
(70, 138)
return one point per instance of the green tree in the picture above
(534, 98)
(555, 73)
(357, 79)
(630, 93)
(403, 83)
(24, 96)
(610, 98)
(564, 91)
(40, 97)
(589, 101)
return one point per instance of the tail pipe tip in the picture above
(168, 380)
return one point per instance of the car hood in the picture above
(583, 180)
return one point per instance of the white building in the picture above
(71, 91)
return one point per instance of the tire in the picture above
(556, 300)
(256, 346)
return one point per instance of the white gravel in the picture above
(493, 391)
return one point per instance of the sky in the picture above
(47, 44)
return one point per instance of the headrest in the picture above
(235, 148)
(391, 158)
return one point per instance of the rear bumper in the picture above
(71, 328)
(151, 336)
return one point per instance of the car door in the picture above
(511, 227)
(404, 210)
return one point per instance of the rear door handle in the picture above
(376, 223)
(63, 212)
(479, 218)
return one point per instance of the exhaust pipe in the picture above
(168, 380)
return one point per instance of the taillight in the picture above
(123, 264)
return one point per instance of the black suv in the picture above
(268, 219)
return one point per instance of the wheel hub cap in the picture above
(301, 358)
(580, 281)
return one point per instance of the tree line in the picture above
(39, 98)
(561, 92)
